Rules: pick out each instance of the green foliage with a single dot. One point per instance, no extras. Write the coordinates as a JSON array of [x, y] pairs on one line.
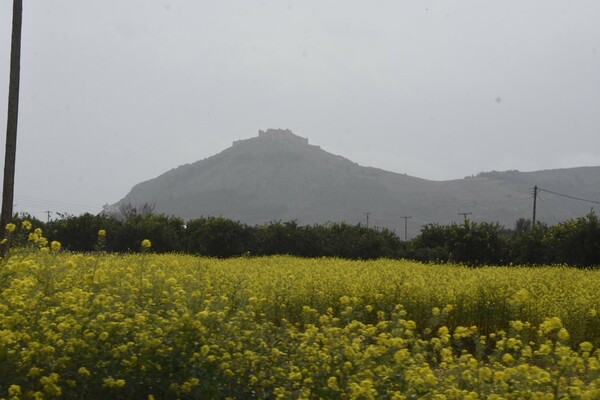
[[164, 232], [574, 242], [474, 243], [359, 242], [216, 237], [285, 238], [80, 233], [529, 245]]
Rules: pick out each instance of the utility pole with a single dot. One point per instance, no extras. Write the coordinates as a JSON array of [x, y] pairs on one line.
[[465, 214], [367, 214], [535, 192], [12, 118], [48, 214], [405, 227]]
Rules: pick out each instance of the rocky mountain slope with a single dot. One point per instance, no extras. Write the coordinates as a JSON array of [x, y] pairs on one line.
[[280, 176]]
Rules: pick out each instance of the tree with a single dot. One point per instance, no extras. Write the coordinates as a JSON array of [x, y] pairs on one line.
[[11, 125], [576, 241], [217, 237], [80, 233], [473, 243], [165, 233], [529, 244], [126, 211]]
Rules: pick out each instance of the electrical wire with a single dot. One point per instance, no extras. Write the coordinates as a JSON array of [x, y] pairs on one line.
[[569, 197], [28, 202]]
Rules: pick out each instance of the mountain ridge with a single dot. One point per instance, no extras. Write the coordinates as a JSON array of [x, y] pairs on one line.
[[281, 176]]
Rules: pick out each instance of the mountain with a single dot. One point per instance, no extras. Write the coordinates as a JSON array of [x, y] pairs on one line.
[[280, 176]]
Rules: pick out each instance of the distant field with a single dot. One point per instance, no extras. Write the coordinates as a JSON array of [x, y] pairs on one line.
[[175, 326]]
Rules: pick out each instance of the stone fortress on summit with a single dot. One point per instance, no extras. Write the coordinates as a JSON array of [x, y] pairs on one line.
[[281, 135]]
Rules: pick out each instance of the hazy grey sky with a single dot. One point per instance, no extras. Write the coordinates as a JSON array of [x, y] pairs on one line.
[[115, 92]]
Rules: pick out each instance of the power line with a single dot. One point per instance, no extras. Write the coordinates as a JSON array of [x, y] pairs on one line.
[[60, 203], [569, 197], [536, 194], [42, 206]]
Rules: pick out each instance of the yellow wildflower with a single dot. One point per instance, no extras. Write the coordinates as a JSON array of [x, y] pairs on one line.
[[55, 246], [111, 382], [410, 325], [332, 384], [507, 358], [563, 334], [586, 346], [14, 391]]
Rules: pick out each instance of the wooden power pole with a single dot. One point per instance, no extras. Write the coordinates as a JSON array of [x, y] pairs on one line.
[[535, 192], [12, 119], [464, 214], [367, 214], [406, 227]]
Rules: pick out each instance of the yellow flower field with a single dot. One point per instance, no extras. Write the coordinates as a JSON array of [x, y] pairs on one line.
[[173, 326]]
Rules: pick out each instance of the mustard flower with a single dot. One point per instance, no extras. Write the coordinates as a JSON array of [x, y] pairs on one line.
[[486, 374], [332, 384], [507, 358], [517, 325], [42, 242], [146, 244], [563, 334], [410, 325], [586, 346], [111, 382], [14, 391], [10, 227], [101, 233], [55, 246], [401, 355], [26, 225], [550, 324]]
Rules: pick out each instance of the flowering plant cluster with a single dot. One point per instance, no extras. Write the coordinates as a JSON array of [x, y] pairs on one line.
[[145, 326], [25, 239]]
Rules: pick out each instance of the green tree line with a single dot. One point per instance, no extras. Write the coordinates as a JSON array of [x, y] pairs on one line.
[[574, 242]]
